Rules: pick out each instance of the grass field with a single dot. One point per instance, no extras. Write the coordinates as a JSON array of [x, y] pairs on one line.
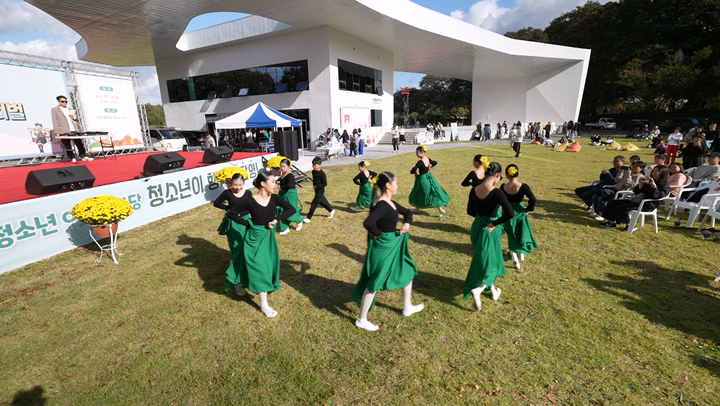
[[596, 316]]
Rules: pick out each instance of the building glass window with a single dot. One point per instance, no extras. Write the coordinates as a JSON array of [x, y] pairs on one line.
[[375, 118], [278, 78], [358, 78]]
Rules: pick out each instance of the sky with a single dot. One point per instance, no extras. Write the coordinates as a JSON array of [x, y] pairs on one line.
[[28, 30]]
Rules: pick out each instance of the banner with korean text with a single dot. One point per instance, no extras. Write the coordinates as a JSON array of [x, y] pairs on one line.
[[31, 230]]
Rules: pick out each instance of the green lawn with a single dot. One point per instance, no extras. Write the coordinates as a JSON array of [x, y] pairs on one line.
[[595, 316]]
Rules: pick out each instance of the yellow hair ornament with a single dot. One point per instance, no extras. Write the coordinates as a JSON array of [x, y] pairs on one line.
[[512, 171], [374, 180], [367, 164], [424, 147], [484, 162]]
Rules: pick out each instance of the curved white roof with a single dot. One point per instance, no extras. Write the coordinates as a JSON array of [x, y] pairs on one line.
[[137, 32]]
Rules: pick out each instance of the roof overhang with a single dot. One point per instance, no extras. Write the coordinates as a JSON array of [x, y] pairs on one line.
[[139, 32]]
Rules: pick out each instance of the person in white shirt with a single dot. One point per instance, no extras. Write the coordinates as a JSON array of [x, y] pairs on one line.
[[673, 142], [209, 141], [517, 137]]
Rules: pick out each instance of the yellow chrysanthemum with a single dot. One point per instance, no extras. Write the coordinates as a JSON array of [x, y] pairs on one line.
[[367, 164], [102, 210], [485, 162], [512, 171], [274, 162], [224, 174], [425, 148]]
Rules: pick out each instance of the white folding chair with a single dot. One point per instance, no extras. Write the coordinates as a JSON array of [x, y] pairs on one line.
[[713, 213], [641, 214], [708, 201]]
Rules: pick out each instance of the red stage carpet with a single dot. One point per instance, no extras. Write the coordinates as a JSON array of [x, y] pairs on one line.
[[106, 170]]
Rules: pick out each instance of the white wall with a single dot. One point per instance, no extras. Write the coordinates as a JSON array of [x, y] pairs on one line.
[[311, 45]]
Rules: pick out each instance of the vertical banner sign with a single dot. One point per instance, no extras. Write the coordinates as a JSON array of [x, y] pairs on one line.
[[26, 97], [109, 106]]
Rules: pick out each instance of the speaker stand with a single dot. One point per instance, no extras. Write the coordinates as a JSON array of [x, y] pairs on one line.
[[112, 247]]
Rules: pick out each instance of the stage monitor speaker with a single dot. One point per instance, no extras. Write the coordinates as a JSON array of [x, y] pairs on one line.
[[162, 163], [286, 144], [59, 180], [216, 155]]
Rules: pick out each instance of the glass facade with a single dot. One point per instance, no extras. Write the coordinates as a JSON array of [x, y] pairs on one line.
[[279, 78], [358, 78]]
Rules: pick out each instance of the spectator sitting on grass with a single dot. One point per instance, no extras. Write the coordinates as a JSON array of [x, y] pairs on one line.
[[609, 140], [595, 139]]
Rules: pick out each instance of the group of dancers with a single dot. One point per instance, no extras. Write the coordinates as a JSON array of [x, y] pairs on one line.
[[250, 223]]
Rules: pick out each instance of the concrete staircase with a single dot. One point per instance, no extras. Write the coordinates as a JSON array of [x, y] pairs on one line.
[[387, 137]]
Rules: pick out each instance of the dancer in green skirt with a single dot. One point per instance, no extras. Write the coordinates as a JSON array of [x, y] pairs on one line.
[[232, 229], [364, 180], [518, 229], [427, 192], [260, 268], [289, 193], [487, 262], [388, 264]]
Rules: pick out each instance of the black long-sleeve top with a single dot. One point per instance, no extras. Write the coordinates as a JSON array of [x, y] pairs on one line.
[[383, 218], [661, 190], [489, 205], [230, 198], [520, 196], [420, 167], [692, 156], [361, 179], [319, 181], [287, 182], [609, 178], [471, 180], [260, 215]]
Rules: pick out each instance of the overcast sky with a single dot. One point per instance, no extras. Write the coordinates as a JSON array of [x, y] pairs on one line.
[[26, 29]]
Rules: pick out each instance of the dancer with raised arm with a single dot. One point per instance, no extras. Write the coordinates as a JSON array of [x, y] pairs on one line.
[[388, 264], [518, 229], [427, 192], [234, 231], [364, 180], [289, 193], [487, 262], [260, 270]]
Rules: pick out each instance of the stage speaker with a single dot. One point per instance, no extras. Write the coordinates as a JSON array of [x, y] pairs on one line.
[[163, 163], [216, 155], [59, 180], [286, 144]]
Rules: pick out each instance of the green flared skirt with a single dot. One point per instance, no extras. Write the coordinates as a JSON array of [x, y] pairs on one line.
[[291, 196], [519, 231], [260, 271], [427, 192], [364, 196], [388, 265], [487, 262], [235, 232]]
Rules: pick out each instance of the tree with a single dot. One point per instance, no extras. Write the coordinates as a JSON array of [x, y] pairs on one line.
[[155, 114], [528, 34]]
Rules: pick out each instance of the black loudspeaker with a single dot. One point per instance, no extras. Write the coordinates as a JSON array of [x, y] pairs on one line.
[[286, 144], [162, 163], [216, 155], [58, 180]]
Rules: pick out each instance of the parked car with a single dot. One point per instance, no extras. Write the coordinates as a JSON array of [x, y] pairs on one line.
[[634, 126], [685, 123], [166, 139], [602, 124], [194, 138]]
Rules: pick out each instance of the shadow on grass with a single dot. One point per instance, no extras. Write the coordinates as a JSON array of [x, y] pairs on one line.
[[446, 245], [447, 227], [441, 288], [668, 297], [208, 259], [565, 212], [32, 397]]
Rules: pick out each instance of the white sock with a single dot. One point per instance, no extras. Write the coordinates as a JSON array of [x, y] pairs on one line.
[[365, 324], [495, 292], [268, 311], [409, 311], [522, 257], [441, 210], [299, 226], [476, 296], [332, 213], [515, 259], [287, 230]]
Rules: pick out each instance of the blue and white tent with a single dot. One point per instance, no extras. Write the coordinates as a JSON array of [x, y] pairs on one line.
[[259, 115]]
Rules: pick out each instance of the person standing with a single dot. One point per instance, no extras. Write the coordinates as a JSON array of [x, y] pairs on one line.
[[487, 262], [518, 229], [426, 192], [673, 144], [288, 191], [233, 230], [354, 143], [364, 180], [395, 139], [63, 121], [209, 141], [694, 152], [319, 183], [402, 134], [388, 264], [260, 271], [361, 142], [517, 137]]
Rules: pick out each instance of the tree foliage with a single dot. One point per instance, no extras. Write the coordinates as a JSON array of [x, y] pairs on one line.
[[528, 34], [155, 114], [438, 99]]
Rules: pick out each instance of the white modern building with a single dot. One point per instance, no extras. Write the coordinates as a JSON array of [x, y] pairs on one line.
[[328, 62]]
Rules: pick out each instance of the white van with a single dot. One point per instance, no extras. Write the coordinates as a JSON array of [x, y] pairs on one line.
[[167, 139]]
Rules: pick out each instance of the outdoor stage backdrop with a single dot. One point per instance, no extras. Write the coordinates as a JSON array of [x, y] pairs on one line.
[[31, 230], [26, 98]]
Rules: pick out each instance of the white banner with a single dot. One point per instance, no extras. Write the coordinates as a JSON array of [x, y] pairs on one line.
[[26, 98], [109, 106], [45, 222]]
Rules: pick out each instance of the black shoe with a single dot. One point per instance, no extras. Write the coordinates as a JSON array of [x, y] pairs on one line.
[[608, 224]]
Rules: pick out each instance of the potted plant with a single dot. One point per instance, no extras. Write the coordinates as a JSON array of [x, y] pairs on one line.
[[274, 164], [101, 213], [225, 174]]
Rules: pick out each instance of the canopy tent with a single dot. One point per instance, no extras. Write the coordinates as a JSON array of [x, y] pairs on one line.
[[259, 115]]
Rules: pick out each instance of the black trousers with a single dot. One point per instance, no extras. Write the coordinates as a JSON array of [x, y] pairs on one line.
[[395, 141], [68, 148], [516, 147], [586, 193], [617, 210], [319, 199]]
